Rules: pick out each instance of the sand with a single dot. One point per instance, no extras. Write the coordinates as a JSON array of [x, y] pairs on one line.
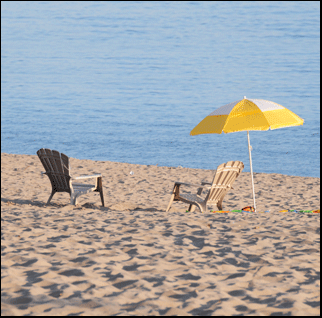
[[132, 258]]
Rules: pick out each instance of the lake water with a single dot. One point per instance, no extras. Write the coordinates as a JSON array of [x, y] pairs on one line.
[[128, 81]]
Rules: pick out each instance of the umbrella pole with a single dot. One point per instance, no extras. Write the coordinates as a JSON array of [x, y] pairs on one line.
[[251, 168]]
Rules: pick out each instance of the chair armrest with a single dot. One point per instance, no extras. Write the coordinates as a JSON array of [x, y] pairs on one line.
[[204, 182], [192, 184], [203, 185], [87, 177]]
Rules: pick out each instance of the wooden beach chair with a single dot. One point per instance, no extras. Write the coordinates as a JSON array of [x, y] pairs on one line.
[[225, 176], [58, 171]]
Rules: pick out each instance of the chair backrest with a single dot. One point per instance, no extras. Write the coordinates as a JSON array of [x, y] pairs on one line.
[[225, 176], [57, 168]]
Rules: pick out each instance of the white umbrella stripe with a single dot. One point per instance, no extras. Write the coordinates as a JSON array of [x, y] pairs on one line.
[[224, 110], [265, 105]]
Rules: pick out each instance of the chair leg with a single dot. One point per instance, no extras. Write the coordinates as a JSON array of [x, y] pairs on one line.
[[51, 196], [199, 205], [171, 200], [175, 193], [202, 207], [102, 198], [73, 198], [100, 189], [191, 208]]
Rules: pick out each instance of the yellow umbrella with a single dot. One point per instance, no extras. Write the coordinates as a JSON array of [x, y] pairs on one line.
[[244, 115]]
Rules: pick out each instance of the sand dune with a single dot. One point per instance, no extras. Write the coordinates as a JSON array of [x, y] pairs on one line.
[[132, 258]]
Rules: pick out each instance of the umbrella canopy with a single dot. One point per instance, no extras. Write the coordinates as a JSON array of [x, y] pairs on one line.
[[245, 115]]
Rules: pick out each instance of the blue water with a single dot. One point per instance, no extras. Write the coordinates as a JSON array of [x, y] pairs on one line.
[[128, 81]]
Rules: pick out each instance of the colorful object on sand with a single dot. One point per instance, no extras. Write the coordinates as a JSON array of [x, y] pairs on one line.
[[301, 211], [248, 209], [238, 211], [219, 211]]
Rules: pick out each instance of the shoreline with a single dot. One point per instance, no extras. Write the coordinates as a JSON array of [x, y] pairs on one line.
[[157, 165]]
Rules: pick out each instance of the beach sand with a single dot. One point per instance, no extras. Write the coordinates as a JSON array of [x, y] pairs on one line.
[[132, 258]]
